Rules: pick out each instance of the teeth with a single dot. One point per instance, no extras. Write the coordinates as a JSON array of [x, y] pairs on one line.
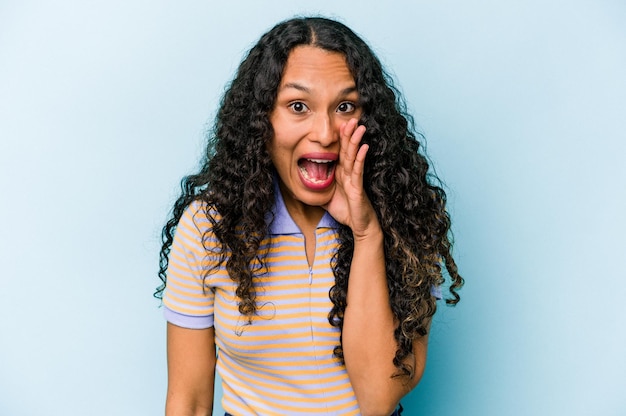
[[314, 180], [320, 160]]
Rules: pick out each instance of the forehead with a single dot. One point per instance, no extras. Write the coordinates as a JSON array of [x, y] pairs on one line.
[[315, 65]]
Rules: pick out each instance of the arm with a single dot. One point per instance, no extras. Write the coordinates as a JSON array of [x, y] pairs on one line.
[[369, 345], [368, 341], [191, 371]]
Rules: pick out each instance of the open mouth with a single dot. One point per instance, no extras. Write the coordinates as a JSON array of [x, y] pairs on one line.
[[318, 172]]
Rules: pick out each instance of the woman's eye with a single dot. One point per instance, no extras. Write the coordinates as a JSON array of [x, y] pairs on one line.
[[346, 107], [298, 107]]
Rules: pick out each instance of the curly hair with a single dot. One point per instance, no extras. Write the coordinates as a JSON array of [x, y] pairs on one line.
[[236, 180]]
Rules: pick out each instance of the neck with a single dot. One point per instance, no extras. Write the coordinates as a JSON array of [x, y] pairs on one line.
[[306, 217]]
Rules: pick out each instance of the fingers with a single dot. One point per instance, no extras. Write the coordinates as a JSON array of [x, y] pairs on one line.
[[352, 157], [350, 195], [359, 163]]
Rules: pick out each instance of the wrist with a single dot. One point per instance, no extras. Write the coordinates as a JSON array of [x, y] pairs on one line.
[[371, 234]]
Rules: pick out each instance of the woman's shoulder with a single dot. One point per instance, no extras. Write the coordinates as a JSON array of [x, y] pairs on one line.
[[199, 215]]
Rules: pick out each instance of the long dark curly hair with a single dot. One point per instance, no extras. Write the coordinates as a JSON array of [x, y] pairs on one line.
[[236, 179]]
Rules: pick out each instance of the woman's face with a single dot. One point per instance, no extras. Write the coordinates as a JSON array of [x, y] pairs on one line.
[[316, 95]]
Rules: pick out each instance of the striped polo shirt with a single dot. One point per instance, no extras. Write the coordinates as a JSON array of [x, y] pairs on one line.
[[282, 363]]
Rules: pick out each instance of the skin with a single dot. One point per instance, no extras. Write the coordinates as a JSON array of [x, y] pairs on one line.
[[316, 116], [316, 101], [190, 371]]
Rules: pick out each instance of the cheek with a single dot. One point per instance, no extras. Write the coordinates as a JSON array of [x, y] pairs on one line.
[[285, 141], [280, 154]]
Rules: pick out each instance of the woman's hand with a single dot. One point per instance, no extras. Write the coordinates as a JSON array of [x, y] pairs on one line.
[[350, 204]]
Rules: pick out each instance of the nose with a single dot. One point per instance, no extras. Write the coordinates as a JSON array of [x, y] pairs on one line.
[[324, 131]]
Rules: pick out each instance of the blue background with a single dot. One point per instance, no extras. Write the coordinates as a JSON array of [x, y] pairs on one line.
[[103, 105]]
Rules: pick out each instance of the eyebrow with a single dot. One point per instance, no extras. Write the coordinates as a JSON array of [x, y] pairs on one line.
[[307, 90]]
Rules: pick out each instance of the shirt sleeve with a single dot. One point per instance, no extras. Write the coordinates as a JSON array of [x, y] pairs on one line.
[[188, 298], [436, 292]]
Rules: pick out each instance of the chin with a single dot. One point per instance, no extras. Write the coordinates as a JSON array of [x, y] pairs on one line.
[[314, 198], [317, 200]]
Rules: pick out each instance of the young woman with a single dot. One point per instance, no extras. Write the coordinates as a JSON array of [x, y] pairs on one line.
[[308, 251]]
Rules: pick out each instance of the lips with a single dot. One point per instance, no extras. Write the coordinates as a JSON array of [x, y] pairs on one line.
[[317, 171]]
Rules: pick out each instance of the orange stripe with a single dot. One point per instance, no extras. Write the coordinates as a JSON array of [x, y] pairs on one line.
[[196, 293], [332, 373]]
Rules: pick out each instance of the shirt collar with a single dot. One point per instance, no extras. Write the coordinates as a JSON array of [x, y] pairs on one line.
[[280, 222]]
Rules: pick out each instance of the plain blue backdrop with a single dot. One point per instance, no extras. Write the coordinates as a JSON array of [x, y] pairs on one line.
[[103, 107]]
